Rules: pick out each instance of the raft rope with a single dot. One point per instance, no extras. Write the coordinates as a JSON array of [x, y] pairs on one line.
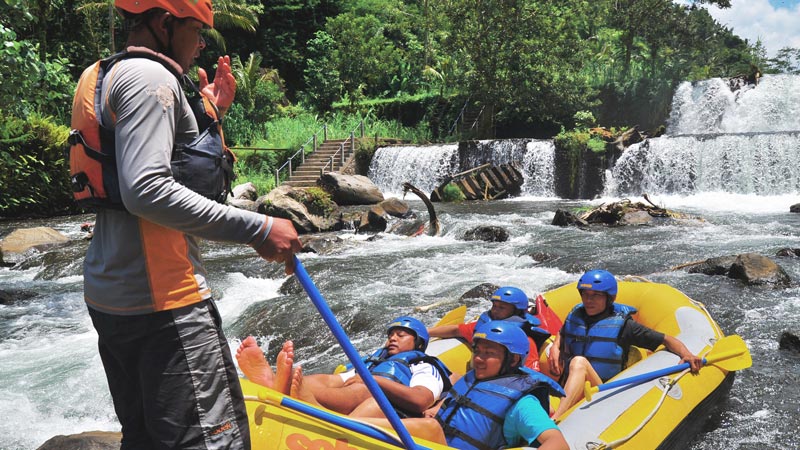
[[667, 387]]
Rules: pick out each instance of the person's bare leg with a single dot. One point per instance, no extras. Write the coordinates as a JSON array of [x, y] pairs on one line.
[[344, 399], [580, 370], [253, 363], [283, 368], [331, 392], [299, 390], [425, 428], [368, 408]]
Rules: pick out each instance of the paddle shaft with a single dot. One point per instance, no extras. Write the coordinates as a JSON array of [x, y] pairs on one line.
[[638, 379], [352, 354], [343, 422]]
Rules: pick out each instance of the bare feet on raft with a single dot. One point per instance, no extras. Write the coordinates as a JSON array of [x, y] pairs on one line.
[[256, 368], [299, 391], [283, 367]]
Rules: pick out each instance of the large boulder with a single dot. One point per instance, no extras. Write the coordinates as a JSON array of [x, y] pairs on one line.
[[714, 266], [372, 220], [40, 238], [795, 208], [90, 440], [245, 191], [286, 202], [625, 213], [395, 207], [754, 269], [350, 189], [482, 291]]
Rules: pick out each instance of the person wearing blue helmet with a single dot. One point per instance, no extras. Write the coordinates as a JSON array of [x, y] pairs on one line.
[[597, 334], [499, 403], [411, 380], [508, 303]]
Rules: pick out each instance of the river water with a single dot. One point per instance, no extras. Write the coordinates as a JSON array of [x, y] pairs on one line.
[[52, 382]]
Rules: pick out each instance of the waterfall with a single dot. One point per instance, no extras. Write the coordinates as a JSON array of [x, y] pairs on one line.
[[426, 166], [422, 166], [537, 166], [760, 164], [741, 141], [711, 107]]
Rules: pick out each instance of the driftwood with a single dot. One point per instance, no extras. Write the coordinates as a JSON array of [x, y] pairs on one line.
[[434, 229], [612, 213]]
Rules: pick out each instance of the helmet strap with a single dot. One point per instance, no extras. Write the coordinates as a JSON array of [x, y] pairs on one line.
[[508, 359], [165, 48]]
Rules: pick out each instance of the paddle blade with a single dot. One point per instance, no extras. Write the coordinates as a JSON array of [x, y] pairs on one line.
[[454, 317], [730, 353]]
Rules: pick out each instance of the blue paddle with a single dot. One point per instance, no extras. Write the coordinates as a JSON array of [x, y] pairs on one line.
[[372, 431], [352, 354], [729, 353]]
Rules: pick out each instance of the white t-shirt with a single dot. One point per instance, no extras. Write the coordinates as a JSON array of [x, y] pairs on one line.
[[422, 374]]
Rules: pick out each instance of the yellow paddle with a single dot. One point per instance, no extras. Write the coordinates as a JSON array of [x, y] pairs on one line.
[[454, 317], [729, 353]]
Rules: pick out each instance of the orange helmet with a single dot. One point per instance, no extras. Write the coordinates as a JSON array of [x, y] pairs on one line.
[[196, 9]]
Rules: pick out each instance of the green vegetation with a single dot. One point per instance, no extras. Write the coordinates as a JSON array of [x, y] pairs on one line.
[[33, 171], [451, 193], [317, 201], [407, 68]]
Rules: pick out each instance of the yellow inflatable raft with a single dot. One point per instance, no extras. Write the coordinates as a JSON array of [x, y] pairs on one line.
[[662, 413]]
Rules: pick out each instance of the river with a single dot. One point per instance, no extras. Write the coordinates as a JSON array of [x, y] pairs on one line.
[[51, 377]]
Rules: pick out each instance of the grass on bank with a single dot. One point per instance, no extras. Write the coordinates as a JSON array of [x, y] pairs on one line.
[[286, 134]]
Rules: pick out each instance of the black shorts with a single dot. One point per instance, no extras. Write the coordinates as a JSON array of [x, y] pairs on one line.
[[172, 379]]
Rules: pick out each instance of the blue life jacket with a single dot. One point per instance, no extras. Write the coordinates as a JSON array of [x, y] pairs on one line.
[[472, 415], [398, 368], [599, 344]]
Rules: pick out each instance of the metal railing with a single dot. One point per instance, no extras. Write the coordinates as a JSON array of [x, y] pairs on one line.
[[302, 152], [461, 118], [341, 151], [458, 118]]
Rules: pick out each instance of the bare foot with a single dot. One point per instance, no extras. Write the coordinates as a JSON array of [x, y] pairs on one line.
[[299, 390], [253, 363], [283, 368]]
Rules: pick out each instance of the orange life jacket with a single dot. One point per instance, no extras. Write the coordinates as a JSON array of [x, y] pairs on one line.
[[92, 160]]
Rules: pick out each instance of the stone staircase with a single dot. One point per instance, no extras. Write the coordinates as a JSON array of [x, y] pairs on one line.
[[306, 174]]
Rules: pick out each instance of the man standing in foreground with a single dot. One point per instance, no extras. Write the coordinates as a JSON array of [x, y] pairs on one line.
[[134, 151]]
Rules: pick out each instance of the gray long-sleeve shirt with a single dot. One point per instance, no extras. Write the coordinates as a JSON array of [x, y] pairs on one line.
[[147, 259]]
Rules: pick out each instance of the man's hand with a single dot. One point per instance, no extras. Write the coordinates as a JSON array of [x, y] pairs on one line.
[[356, 379], [676, 346], [281, 244], [223, 89]]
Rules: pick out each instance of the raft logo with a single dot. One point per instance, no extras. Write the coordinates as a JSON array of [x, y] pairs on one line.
[[298, 441], [222, 428]]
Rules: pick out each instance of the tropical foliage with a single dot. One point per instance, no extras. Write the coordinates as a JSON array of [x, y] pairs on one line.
[[411, 66]]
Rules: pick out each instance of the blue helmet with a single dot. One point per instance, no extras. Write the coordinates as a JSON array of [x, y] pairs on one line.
[[508, 334], [599, 280], [509, 294], [417, 327]]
